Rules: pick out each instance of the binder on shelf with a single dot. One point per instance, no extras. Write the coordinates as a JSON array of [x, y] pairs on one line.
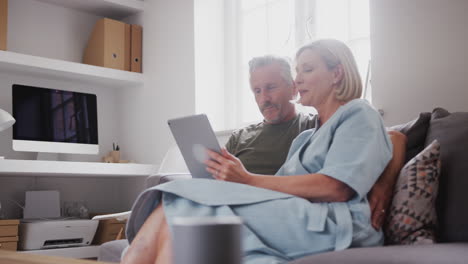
[[128, 42], [136, 48], [3, 24], [106, 46]]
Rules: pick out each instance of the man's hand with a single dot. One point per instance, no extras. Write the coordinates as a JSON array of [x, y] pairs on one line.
[[380, 197], [226, 167], [381, 194]]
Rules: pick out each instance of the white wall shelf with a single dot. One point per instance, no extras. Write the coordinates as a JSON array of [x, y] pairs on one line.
[[16, 63], [71, 168], [71, 252], [116, 9]]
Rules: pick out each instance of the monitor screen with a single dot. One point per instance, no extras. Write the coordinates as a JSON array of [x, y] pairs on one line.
[[44, 116]]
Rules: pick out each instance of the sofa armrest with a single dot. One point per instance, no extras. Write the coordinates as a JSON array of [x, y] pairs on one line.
[[113, 250], [160, 178], [151, 181], [174, 176], [117, 216]]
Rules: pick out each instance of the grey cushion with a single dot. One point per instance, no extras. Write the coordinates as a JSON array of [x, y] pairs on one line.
[[415, 132], [452, 133], [427, 254]]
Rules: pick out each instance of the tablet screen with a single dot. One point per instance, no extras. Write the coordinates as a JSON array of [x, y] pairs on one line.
[[193, 135]]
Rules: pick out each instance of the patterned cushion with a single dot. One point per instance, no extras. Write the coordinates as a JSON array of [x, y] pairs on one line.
[[412, 216]]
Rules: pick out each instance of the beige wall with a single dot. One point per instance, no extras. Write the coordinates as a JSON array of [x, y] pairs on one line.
[[419, 56]]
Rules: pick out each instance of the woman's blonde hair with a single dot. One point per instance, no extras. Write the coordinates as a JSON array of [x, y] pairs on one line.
[[334, 52]]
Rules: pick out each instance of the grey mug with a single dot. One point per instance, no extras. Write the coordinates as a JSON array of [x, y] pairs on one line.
[[207, 240]]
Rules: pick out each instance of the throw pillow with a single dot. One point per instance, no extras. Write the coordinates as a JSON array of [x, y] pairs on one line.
[[451, 132], [415, 132], [439, 112], [412, 217]]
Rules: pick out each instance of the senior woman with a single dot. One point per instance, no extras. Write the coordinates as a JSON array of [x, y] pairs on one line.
[[319, 193]]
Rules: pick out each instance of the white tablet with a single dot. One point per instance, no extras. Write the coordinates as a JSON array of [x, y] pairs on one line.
[[194, 135]]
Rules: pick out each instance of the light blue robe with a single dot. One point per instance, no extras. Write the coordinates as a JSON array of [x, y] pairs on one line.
[[352, 146]]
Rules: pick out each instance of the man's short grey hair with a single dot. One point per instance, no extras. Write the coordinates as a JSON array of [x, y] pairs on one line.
[[267, 60]]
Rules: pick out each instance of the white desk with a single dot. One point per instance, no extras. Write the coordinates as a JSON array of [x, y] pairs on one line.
[[70, 168], [21, 169], [71, 252]]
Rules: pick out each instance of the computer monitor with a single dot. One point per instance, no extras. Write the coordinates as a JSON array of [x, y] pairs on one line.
[[54, 121]]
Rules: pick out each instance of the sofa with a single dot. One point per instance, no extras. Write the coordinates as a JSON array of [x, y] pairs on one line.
[[451, 232]]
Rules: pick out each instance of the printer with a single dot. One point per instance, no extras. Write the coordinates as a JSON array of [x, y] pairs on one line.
[[45, 234], [43, 228]]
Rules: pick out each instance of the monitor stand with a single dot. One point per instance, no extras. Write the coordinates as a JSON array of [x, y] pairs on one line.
[[47, 156]]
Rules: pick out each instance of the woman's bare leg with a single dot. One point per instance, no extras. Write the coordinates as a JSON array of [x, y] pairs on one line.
[[164, 245], [148, 243]]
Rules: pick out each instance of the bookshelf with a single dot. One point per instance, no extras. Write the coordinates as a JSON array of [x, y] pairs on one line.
[[22, 64], [46, 39], [115, 9]]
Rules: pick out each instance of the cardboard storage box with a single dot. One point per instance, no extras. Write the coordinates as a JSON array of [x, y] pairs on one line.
[[9, 234], [108, 230], [9, 228], [3, 24], [136, 49], [9, 243], [109, 45]]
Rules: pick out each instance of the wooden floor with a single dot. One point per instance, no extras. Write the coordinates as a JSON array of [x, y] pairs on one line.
[[7, 257]]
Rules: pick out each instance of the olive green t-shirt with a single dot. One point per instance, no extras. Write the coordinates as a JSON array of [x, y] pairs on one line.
[[262, 147]]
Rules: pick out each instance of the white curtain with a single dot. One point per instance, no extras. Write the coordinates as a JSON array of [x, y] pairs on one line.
[[229, 33]]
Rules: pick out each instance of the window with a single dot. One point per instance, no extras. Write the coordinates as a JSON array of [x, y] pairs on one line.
[[68, 113], [229, 33]]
